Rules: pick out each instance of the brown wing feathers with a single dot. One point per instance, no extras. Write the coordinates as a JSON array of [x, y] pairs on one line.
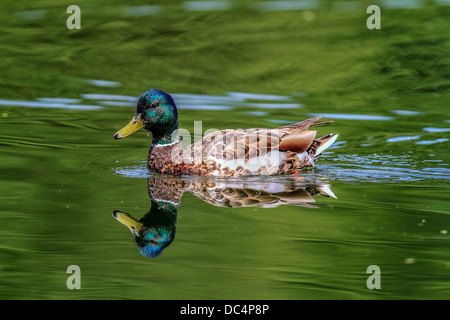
[[299, 138], [246, 144], [297, 141], [304, 125]]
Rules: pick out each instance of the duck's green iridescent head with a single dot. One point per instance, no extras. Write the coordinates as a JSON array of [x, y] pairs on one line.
[[156, 112]]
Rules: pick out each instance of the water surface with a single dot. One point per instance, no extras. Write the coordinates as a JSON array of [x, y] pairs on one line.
[[379, 196]]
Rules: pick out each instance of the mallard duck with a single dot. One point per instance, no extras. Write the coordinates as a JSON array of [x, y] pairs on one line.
[[156, 229], [257, 151]]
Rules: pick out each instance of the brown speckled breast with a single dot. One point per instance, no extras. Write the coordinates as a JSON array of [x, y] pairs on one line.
[[168, 160]]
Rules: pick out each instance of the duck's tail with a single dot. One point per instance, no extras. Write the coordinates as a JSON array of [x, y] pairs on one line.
[[299, 138], [319, 145]]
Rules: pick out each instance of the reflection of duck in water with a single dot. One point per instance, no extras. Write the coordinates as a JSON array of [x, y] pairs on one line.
[[156, 229]]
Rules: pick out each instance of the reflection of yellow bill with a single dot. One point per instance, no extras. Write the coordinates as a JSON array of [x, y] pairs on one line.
[[134, 125], [128, 220]]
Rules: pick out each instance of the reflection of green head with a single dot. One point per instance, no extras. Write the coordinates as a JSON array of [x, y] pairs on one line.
[[153, 232]]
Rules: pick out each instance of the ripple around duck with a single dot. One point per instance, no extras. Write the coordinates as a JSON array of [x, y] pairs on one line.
[[275, 183], [138, 170], [381, 168], [348, 168], [352, 173]]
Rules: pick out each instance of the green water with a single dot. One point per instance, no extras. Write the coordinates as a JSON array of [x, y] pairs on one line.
[[238, 65]]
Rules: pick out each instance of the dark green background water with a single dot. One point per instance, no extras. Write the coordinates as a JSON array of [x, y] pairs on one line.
[[62, 174]]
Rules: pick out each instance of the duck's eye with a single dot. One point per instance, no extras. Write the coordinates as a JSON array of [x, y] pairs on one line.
[[154, 104]]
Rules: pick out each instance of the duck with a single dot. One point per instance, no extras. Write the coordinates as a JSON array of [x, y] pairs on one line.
[[223, 153], [155, 231]]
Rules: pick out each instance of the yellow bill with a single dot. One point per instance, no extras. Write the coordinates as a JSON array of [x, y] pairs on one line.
[[134, 125], [128, 220]]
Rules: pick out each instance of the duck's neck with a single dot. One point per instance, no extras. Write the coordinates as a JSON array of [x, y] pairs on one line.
[[165, 137], [163, 140]]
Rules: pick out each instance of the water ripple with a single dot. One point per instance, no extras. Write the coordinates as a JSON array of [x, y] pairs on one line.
[[38, 104], [143, 10], [103, 83], [227, 101], [348, 168], [368, 173], [432, 141], [403, 138], [436, 130], [347, 116], [206, 5], [264, 6], [381, 168], [406, 112]]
